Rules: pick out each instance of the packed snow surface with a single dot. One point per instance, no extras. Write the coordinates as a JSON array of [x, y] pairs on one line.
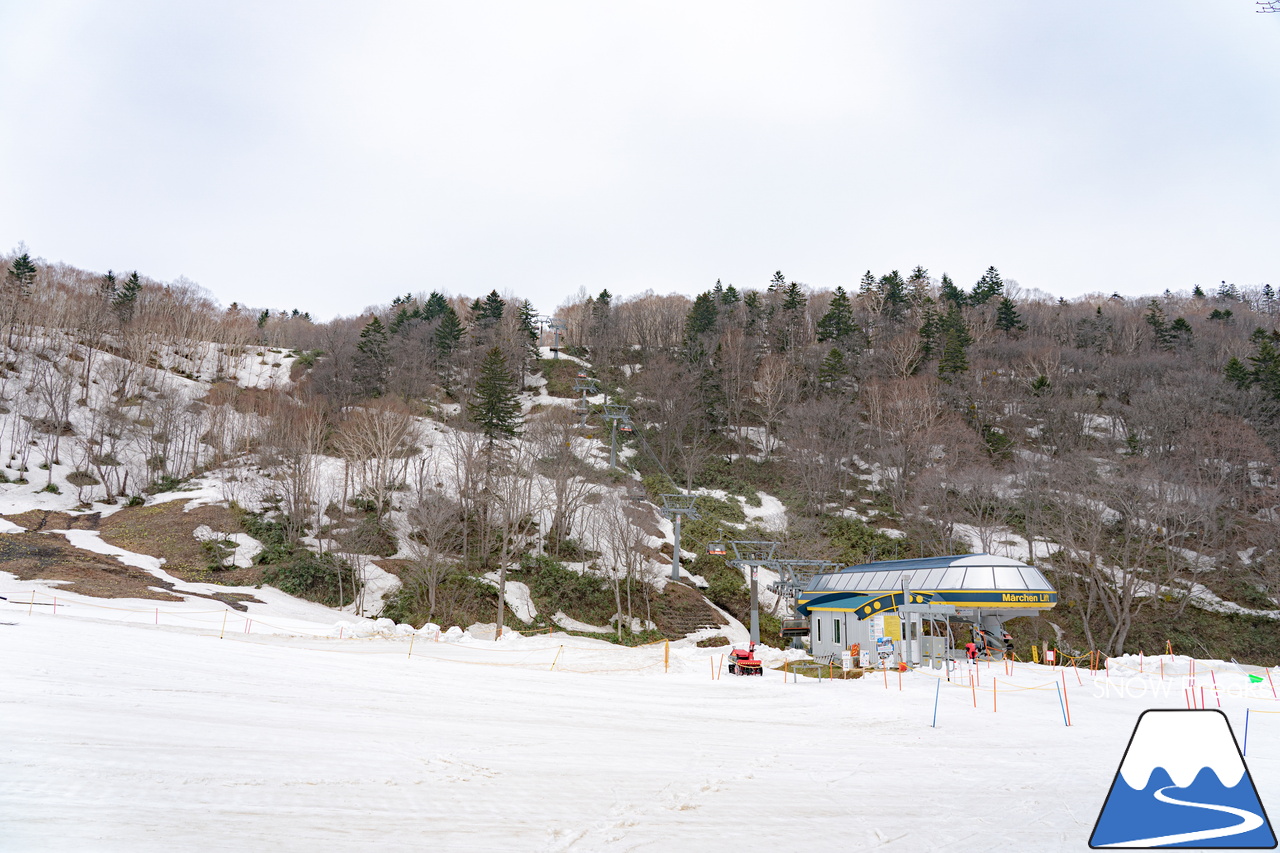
[[137, 728]]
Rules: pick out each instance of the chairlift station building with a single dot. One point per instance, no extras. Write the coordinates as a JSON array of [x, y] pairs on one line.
[[893, 598]]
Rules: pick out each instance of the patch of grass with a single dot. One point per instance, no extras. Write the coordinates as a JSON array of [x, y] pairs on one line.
[[82, 478], [52, 488], [165, 483], [561, 374]]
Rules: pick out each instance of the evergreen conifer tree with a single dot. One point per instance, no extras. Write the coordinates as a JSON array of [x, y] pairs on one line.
[[955, 345], [448, 334], [1197, 292], [930, 333], [778, 282], [1265, 363], [731, 296], [1267, 300], [126, 298], [435, 307], [948, 292], [1236, 372], [918, 286], [1007, 317], [529, 321], [893, 293], [108, 287], [22, 273], [1181, 331], [373, 359], [795, 299], [1155, 318], [492, 309], [867, 284], [833, 370], [495, 406], [988, 287], [838, 325], [702, 317]]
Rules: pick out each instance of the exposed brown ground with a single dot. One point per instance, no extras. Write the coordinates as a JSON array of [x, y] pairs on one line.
[[44, 556], [163, 530]]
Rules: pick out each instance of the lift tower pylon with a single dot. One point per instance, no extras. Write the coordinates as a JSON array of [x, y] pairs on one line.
[[676, 507]]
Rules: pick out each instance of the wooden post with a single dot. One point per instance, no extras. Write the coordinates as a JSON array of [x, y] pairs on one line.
[[993, 695], [666, 656], [33, 602], [411, 636], [224, 626]]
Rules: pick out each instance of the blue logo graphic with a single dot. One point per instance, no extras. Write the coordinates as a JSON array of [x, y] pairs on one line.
[[1183, 783]]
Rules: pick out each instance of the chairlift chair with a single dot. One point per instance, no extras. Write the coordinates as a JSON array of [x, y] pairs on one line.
[[795, 628], [717, 549]]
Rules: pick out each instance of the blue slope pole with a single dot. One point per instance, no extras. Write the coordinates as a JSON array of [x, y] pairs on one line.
[[1245, 750], [1058, 687], [939, 687]]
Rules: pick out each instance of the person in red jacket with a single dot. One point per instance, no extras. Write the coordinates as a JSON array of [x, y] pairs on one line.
[[971, 649]]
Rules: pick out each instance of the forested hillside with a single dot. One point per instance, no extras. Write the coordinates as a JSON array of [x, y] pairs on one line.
[[1126, 445]]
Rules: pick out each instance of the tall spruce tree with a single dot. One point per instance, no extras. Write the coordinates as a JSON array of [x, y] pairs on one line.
[[1163, 336], [948, 292], [701, 319], [795, 299], [893, 291], [373, 359], [448, 335], [1007, 318], [989, 287], [126, 298], [491, 310], [918, 286], [833, 371], [107, 287], [22, 274], [494, 405], [955, 345], [837, 325], [435, 307]]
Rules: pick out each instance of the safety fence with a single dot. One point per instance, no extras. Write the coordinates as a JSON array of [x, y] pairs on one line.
[[1198, 682], [562, 653]]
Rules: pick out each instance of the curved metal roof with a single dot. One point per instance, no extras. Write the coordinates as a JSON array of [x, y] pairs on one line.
[[957, 573]]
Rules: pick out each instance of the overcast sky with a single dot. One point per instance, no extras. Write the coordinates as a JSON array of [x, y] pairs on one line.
[[330, 156]]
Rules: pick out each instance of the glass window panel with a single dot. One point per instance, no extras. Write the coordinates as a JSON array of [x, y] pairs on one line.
[[952, 578], [1034, 579], [978, 577], [930, 579], [1009, 577], [877, 580]]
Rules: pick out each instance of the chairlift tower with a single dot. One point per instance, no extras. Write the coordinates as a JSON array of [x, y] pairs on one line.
[[619, 417], [793, 575], [676, 507], [586, 386], [556, 327]]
